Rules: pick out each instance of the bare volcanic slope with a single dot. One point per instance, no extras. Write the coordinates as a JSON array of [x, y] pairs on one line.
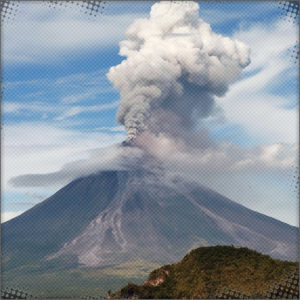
[[119, 216]]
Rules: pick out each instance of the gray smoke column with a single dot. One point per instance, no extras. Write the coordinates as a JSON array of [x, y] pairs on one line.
[[175, 65]]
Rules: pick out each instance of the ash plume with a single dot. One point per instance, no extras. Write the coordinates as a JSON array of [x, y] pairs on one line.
[[175, 65]]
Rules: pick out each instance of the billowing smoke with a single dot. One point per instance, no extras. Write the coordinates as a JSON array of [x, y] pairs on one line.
[[175, 65], [173, 68]]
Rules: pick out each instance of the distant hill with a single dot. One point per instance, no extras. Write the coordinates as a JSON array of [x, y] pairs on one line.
[[206, 270]]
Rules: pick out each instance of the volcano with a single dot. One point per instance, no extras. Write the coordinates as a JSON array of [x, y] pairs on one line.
[[118, 216]]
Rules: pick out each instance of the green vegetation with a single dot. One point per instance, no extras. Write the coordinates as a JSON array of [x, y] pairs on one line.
[[208, 269], [46, 282], [200, 274]]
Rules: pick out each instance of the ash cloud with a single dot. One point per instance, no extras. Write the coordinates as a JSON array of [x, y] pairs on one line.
[[175, 65]]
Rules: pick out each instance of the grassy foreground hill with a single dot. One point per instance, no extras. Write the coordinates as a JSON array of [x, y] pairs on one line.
[[206, 270]]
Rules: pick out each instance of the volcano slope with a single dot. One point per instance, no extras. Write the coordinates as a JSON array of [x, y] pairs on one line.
[[119, 216]]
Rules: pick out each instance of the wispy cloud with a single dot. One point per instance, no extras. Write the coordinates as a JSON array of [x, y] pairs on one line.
[[62, 112], [38, 147], [111, 129], [41, 35], [60, 98], [226, 168], [76, 110], [73, 88], [254, 102], [33, 107]]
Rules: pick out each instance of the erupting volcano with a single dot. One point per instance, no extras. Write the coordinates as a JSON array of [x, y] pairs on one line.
[[133, 208], [120, 216]]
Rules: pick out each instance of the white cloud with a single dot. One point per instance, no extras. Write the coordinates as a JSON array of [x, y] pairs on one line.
[[88, 78], [220, 158], [268, 42], [175, 156], [220, 13], [115, 157], [257, 177], [37, 147], [42, 35], [250, 102], [34, 107], [62, 111], [112, 129], [76, 110], [5, 216], [250, 176], [79, 97], [69, 91]]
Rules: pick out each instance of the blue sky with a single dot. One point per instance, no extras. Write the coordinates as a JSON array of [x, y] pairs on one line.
[[58, 105]]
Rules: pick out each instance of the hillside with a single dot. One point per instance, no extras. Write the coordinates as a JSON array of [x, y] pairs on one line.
[[206, 270]]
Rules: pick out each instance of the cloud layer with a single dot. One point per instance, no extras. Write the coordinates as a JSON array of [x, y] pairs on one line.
[[175, 157], [111, 158], [40, 35]]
